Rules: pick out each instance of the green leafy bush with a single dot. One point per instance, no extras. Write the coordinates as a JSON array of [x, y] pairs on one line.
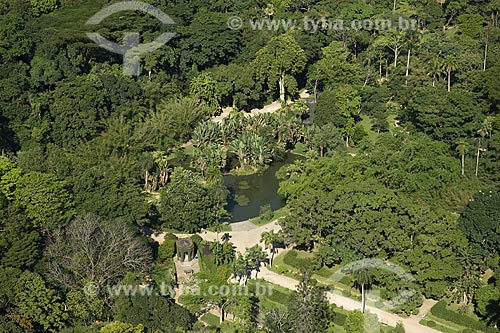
[[291, 259], [43, 6], [346, 293], [167, 249], [439, 310], [339, 318]]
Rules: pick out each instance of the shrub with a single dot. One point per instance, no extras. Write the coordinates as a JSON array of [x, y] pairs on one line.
[[439, 310], [431, 323], [167, 249], [196, 239], [281, 269], [399, 328], [339, 318], [346, 293], [291, 259]]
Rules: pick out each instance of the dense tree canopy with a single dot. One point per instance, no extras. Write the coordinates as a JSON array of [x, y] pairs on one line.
[[400, 132]]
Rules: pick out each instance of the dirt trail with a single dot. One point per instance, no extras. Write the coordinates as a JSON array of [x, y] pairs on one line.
[[274, 106]]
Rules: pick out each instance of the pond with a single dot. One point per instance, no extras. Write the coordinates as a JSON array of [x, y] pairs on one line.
[[249, 193]]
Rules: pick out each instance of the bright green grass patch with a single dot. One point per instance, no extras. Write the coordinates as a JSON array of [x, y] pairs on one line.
[[72, 18], [433, 324], [264, 219], [225, 227], [270, 295], [300, 149], [211, 319], [391, 119], [367, 123]]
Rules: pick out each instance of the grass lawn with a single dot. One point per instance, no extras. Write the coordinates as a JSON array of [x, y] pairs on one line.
[[211, 319], [391, 119], [72, 18], [300, 149], [274, 297], [438, 326], [224, 228], [277, 214], [367, 122]]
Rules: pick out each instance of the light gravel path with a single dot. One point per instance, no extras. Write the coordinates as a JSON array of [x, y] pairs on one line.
[[245, 234], [274, 106], [411, 324]]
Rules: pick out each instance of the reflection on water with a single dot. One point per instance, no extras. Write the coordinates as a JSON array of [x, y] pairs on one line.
[[249, 193]]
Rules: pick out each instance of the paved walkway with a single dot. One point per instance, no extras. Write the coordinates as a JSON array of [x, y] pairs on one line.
[[244, 235], [411, 324]]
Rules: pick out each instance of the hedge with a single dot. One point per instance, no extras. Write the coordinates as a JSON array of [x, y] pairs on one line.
[[167, 249], [339, 318], [439, 310], [291, 259]]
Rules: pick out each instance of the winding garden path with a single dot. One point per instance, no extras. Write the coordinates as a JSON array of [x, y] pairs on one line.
[[274, 106], [411, 324]]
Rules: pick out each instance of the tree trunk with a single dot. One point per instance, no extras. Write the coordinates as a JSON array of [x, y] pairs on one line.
[[394, 6], [477, 159], [408, 65], [449, 80], [272, 258], [485, 55], [396, 52], [221, 315], [380, 69], [347, 141], [363, 299], [315, 91], [146, 178], [282, 87], [463, 164]]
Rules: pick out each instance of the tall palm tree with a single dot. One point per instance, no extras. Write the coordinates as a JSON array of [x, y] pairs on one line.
[[363, 280], [255, 256], [462, 147], [484, 131], [435, 70], [270, 239], [239, 268], [450, 64]]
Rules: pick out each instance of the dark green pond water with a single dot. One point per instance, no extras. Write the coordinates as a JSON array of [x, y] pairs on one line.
[[249, 193]]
